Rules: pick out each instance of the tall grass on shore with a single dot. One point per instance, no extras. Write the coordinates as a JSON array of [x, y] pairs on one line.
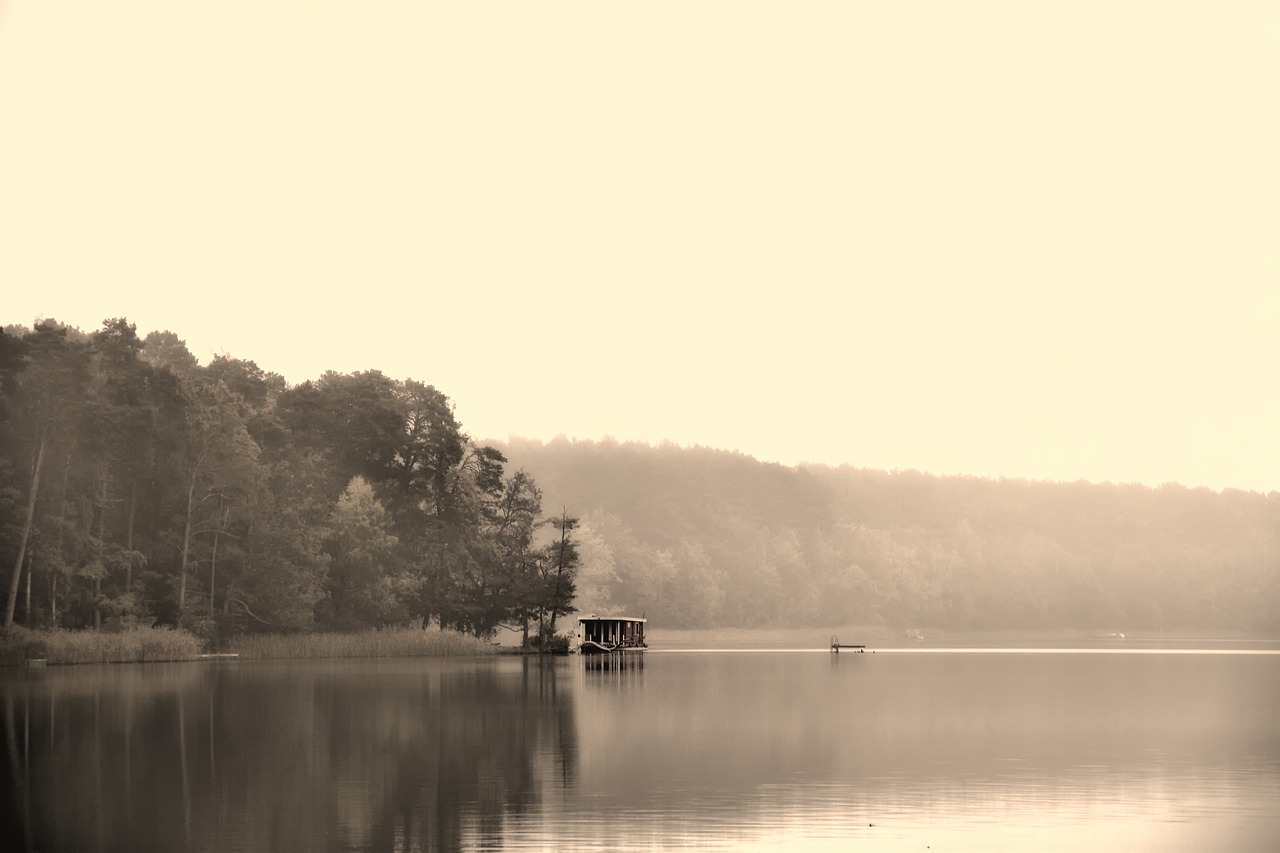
[[395, 642], [135, 645]]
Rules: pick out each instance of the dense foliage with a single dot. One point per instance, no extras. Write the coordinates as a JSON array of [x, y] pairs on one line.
[[694, 536], [139, 487]]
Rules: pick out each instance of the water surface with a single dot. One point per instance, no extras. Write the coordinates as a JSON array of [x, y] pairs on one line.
[[898, 750]]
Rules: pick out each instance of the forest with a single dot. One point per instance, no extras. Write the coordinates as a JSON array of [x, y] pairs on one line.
[[697, 536], [139, 487]]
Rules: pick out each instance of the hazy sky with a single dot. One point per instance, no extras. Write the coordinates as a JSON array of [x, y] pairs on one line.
[[1023, 239]]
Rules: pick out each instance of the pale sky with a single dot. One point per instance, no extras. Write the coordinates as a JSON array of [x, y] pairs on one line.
[[1020, 239]]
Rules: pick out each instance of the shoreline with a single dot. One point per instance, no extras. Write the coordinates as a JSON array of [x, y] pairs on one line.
[[25, 647]]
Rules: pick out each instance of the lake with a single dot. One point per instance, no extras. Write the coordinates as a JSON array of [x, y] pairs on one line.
[[911, 749]]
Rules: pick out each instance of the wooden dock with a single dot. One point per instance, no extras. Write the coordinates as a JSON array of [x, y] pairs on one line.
[[836, 646]]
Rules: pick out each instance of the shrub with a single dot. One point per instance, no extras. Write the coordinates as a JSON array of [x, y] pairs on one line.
[[555, 644]]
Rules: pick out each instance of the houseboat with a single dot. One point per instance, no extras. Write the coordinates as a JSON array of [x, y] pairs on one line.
[[603, 635]]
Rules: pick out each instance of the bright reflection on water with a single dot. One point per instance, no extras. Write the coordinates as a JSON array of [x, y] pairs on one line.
[[955, 750]]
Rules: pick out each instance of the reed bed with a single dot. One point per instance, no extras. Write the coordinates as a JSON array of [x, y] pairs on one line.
[[135, 645], [395, 642]]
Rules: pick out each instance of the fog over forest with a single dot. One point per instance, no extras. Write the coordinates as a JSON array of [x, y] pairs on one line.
[[140, 487], [696, 536]]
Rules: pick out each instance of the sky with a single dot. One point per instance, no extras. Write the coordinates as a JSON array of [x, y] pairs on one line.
[[1004, 239]]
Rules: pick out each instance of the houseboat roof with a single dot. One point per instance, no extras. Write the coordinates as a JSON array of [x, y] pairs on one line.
[[595, 618]]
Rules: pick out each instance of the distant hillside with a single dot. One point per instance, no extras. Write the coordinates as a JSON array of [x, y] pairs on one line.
[[695, 536]]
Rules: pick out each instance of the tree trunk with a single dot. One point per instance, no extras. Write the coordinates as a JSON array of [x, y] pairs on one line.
[[62, 528], [213, 560], [555, 598], [186, 550], [102, 532], [26, 604], [128, 537], [213, 571], [26, 531]]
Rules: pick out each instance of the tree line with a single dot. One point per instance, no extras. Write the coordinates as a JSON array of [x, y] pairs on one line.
[[694, 536], [140, 487]]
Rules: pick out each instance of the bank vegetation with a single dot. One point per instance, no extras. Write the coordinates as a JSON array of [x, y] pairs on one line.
[[19, 645], [140, 488]]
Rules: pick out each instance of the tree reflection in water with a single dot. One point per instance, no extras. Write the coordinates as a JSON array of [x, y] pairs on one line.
[[1047, 751], [403, 755]]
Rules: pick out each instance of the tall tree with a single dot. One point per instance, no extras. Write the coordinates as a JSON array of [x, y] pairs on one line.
[[167, 351], [50, 390], [272, 564], [219, 462], [560, 573], [118, 429], [363, 587], [283, 568], [428, 464], [500, 579], [356, 421]]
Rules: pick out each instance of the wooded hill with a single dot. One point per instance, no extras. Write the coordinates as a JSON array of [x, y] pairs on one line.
[[694, 536], [138, 486]]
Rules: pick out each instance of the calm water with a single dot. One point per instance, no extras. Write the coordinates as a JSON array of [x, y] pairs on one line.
[[898, 750]]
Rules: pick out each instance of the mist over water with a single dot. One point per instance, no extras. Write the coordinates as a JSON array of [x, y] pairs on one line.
[[964, 749]]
